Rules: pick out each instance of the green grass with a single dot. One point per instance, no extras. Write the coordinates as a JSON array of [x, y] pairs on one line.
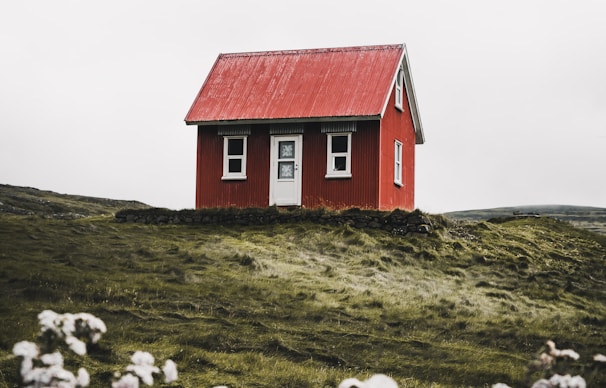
[[306, 305]]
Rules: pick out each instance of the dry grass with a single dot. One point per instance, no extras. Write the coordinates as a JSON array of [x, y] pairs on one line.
[[304, 305]]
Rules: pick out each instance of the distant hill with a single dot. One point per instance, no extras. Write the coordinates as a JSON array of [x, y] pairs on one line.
[[30, 201], [590, 218]]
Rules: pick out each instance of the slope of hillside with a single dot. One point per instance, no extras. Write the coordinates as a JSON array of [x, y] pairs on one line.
[[31, 201], [306, 305]]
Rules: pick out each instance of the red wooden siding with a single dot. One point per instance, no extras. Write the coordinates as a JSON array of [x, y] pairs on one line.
[[211, 191], [371, 185], [397, 125], [361, 190]]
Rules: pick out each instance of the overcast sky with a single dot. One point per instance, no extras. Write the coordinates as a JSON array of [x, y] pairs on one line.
[[512, 94]]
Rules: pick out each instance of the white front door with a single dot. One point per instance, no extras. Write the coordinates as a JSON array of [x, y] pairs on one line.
[[285, 173]]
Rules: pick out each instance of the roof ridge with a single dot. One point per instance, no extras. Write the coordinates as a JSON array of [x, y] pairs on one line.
[[313, 50]]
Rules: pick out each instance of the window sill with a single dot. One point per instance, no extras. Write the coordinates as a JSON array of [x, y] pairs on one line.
[[339, 176], [233, 178]]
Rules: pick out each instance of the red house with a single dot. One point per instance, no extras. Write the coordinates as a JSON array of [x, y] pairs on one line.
[[332, 128]]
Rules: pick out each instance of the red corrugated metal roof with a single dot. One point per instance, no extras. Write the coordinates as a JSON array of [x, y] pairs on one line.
[[298, 84]]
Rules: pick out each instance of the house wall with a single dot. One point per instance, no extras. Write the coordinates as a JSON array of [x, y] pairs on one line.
[[361, 190], [398, 125], [211, 191]]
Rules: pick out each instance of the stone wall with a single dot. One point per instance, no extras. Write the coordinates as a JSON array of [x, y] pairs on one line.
[[397, 222]]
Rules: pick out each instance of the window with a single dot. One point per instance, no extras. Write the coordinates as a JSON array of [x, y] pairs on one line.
[[397, 165], [400, 88], [234, 157], [338, 163]]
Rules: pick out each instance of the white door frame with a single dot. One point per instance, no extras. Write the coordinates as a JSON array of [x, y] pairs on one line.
[[285, 170]]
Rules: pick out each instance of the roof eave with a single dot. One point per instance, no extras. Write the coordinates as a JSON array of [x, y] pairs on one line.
[[284, 120], [412, 101], [410, 93]]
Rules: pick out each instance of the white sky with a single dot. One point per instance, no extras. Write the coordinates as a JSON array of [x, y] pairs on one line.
[[512, 94]]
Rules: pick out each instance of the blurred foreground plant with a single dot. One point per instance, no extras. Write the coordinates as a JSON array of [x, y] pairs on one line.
[[554, 365], [42, 362]]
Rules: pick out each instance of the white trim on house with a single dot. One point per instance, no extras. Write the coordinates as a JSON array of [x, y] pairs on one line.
[[338, 162], [397, 163], [285, 175], [399, 89], [410, 94], [234, 158]]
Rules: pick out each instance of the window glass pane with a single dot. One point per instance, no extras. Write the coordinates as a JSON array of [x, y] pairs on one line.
[[235, 165], [286, 150], [235, 147], [286, 170], [339, 144], [340, 163]]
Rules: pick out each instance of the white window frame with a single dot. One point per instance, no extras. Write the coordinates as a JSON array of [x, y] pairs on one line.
[[331, 172], [227, 175], [397, 163], [399, 89]]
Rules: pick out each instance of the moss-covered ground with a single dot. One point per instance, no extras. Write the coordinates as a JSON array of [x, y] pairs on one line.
[[306, 305]]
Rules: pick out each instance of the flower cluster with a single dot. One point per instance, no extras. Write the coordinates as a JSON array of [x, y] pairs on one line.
[[46, 370], [70, 328], [545, 363], [142, 368], [42, 363]]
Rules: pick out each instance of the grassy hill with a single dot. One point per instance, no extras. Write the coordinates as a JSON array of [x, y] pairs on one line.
[[31, 201], [306, 305]]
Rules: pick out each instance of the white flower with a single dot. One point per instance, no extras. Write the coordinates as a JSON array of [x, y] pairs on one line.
[[599, 358], [142, 358], [569, 353], [375, 381], [500, 385], [61, 374], [47, 320], [26, 349], [143, 366], [144, 372], [558, 380], [542, 384], [95, 326], [127, 381], [52, 359], [54, 376], [76, 345], [29, 351], [83, 378], [555, 352], [26, 366], [37, 377], [67, 324], [567, 381], [577, 382], [170, 371]]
